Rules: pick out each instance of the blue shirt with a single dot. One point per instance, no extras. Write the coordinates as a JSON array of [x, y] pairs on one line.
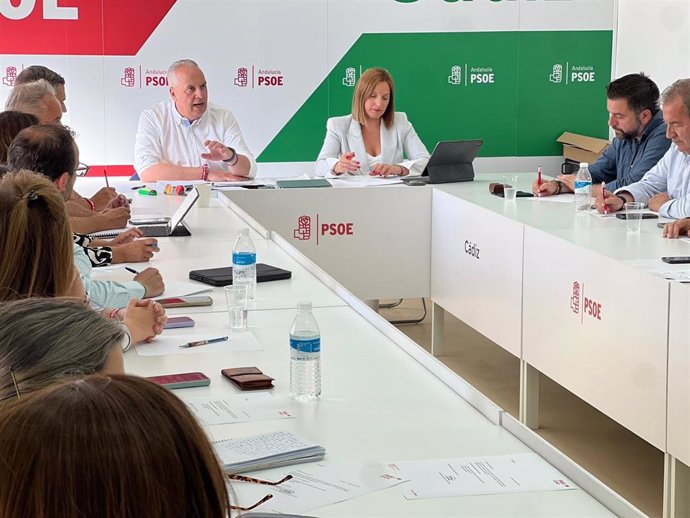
[[626, 161]]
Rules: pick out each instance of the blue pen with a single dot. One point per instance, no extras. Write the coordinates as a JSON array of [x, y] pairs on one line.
[[131, 270], [204, 342]]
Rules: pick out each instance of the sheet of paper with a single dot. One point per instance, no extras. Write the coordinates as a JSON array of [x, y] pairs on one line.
[[520, 473], [171, 340], [671, 272], [364, 181], [314, 485], [238, 409], [183, 289], [561, 198]]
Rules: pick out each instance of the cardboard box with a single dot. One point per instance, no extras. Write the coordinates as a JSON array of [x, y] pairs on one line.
[[581, 148]]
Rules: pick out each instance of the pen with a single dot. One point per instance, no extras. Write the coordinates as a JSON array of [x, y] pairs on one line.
[[539, 180], [148, 192], [131, 270], [105, 175], [138, 187], [204, 342], [603, 197]]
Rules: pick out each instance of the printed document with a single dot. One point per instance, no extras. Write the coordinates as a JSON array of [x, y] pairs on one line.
[[520, 473], [314, 486], [238, 409]]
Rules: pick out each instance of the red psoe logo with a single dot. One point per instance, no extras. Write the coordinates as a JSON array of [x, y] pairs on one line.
[[303, 230], [242, 77], [128, 79], [575, 299], [91, 28], [10, 76]]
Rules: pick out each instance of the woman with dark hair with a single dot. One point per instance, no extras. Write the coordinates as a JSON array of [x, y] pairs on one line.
[[375, 138], [107, 447], [11, 123]]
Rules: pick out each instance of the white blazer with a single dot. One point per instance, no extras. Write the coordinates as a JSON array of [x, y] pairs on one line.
[[344, 134]]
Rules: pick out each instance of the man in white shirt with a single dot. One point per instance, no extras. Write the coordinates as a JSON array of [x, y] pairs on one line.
[[666, 186], [177, 136]]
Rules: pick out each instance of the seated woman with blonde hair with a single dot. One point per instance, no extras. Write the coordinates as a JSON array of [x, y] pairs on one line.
[[107, 447], [36, 252], [374, 139]]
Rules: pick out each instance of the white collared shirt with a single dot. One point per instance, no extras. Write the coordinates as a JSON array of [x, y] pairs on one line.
[[671, 175], [164, 136]]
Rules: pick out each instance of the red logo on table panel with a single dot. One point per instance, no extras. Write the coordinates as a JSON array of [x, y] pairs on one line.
[[303, 230], [583, 305], [79, 27]]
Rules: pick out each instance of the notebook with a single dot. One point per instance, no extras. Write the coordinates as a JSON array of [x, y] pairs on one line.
[[450, 162], [301, 184], [270, 450], [223, 276]]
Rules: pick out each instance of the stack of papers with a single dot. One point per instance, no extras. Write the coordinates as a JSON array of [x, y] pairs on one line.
[[271, 450]]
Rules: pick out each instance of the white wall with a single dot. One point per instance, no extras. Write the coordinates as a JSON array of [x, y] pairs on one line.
[[654, 37]]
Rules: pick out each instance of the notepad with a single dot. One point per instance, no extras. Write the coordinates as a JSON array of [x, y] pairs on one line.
[[270, 450]]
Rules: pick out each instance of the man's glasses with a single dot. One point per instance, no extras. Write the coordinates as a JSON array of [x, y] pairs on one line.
[[243, 478], [82, 169]]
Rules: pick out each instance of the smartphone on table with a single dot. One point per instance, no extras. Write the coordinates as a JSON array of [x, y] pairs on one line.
[[182, 380], [676, 259], [178, 322], [185, 302]]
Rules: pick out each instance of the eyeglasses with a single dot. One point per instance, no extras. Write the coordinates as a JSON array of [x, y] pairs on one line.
[[82, 169], [16, 387], [253, 480]]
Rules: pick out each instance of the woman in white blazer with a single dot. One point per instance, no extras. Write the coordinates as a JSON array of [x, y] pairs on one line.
[[373, 140]]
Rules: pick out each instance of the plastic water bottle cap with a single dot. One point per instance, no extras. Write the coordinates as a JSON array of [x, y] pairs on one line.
[[584, 164], [304, 305]]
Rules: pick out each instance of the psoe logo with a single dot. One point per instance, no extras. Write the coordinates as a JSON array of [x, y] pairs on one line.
[[350, 77], [583, 305], [242, 78], [10, 76], [303, 232], [129, 78], [455, 77], [556, 74]]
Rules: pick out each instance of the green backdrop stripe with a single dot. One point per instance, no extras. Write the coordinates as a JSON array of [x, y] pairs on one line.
[[517, 90]]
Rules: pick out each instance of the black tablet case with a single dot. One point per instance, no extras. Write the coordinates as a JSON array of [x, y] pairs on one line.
[[223, 276]]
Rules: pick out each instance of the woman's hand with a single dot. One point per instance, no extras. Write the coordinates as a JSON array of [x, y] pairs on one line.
[[346, 164], [144, 319], [386, 170]]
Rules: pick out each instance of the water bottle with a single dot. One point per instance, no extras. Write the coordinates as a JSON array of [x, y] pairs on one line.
[[244, 263], [305, 354], [583, 188]]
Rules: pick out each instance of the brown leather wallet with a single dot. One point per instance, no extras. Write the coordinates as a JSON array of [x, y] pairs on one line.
[[248, 378]]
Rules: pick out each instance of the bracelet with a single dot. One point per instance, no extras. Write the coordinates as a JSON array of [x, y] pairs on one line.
[[91, 204], [204, 172], [402, 170], [559, 184], [127, 342], [622, 198], [233, 159], [113, 315]]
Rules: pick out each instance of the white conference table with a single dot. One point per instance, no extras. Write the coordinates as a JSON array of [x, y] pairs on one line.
[[378, 404], [509, 268]]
